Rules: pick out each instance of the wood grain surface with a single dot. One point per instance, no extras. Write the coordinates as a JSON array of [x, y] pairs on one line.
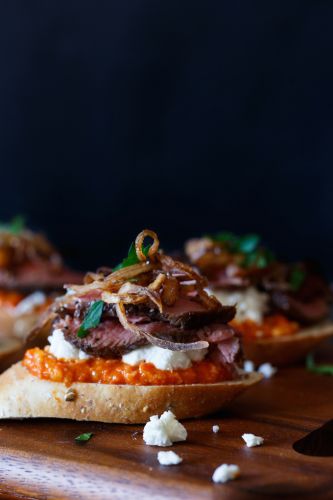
[[39, 458]]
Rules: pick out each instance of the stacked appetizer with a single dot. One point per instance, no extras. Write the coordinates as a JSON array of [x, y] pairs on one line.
[[131, 342], [30, 270], [282, 309]]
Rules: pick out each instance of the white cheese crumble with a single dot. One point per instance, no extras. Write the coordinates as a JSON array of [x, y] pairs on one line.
[[250, 304], [163, 431], [215, 429], [252, 440], [168, 458], [164, 359], [267, 370], [225, 473], [60, 348], [28, 304], [248, 366]]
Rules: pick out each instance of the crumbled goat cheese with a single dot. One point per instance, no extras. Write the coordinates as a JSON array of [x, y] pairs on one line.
[[163, 431], [225, 473], [60, 348], [215, 428], [248, 366], [250, 304], [164, 359], [29, 303], [267, 370], [168, 458], [252, 440]]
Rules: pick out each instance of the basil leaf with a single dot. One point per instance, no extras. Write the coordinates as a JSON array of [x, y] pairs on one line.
[[15, 226], [321, 369], [83, 437], [91, 319], [131, 258], [297, 278]]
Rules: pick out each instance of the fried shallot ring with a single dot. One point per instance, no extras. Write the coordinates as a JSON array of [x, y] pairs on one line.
[[139, 245], [130, 293]]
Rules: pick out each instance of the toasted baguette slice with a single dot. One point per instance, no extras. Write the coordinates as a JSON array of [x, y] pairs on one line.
[[285, 350], [11, 350], [25, 396]]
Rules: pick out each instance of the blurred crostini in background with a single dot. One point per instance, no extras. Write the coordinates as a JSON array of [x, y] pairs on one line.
[[32, 273], [283, 309]]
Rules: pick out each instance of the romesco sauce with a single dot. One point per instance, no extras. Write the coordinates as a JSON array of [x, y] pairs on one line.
[[43, 365], [274, 325], [10, 299]]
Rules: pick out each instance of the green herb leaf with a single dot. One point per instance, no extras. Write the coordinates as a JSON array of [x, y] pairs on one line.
[[321, 369], [248, 243], [229, 239], [259, 258], [83, 437], [15, 226], [91, 319], [131, 258], [297, 278]]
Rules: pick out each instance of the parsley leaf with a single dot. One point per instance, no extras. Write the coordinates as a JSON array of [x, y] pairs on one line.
[[83, 437], [131, 258], [321, 369], [91, 319], [248, 243], [238, 244], [15, 226], [297, 278], [259, 258]]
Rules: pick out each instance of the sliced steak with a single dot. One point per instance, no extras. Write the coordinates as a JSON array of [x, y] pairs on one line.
[[111, 340], [184, 314], [189, 314], [108, 340], [38, 276], [304, 312]]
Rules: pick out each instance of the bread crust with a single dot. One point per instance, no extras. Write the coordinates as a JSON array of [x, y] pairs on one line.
[[11, 350], [24, 396], [285, 350]]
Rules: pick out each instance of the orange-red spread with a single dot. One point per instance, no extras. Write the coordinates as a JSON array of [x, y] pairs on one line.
[[10, 298], [272, 326], [113, 371]]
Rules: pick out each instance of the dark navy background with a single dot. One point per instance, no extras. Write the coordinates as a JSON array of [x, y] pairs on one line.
[[182, 116]]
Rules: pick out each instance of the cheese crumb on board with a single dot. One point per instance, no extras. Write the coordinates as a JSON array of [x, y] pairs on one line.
[[267, 370], [163, 431], [215, 429], [248, 366], [225, 473], [168, 458], [252, 440]]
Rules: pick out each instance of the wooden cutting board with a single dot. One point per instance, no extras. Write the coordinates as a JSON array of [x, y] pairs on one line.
[[39, 459]]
